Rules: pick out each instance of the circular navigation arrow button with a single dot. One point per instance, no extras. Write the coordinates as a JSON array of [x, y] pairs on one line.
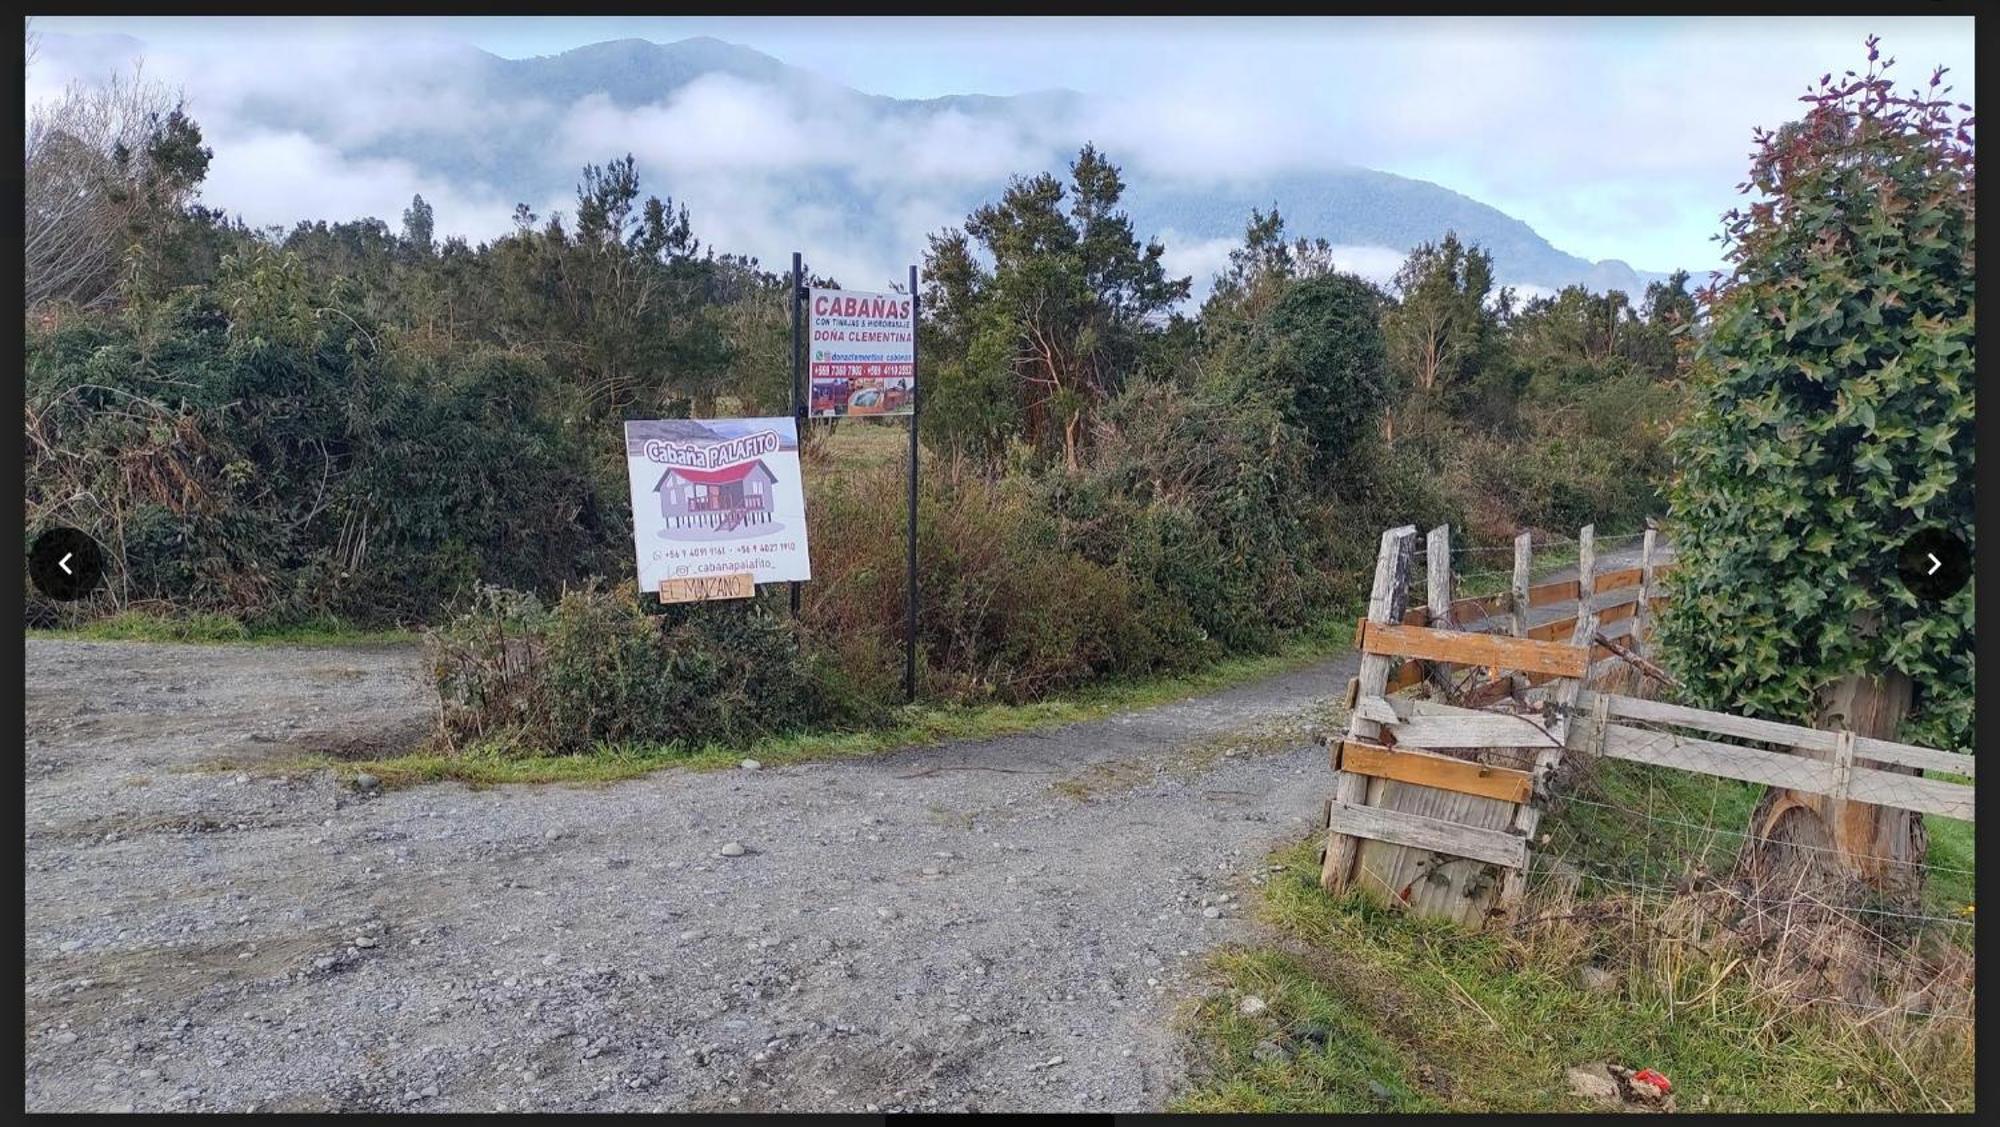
[[65, 564], [1933, 564]]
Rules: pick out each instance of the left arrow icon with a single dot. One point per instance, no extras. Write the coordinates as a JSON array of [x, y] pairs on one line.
[[65, 564]]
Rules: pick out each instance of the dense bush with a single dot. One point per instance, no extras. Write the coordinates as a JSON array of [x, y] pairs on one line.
[[259, 451], [1006, 613], [597, 669]]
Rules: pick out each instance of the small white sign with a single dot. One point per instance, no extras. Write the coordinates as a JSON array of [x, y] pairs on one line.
[[717, 497]]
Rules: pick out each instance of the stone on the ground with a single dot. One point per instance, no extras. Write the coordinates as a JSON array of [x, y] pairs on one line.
[[1597, 980], [1252, 1005], [1594, 1082]]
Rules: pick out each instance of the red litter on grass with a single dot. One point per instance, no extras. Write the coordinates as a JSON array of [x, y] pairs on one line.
[[1655, 1079]]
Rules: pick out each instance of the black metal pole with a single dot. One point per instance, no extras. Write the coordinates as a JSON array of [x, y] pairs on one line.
[[800, 396], [910, 595]]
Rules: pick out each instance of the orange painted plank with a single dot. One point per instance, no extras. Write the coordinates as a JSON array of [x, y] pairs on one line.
[[1475, 649], [1441, 771]]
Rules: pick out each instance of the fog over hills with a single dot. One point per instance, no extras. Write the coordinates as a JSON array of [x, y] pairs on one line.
[[770, 158]]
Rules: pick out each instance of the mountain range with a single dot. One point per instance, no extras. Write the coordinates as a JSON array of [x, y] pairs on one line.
[[779, 158]]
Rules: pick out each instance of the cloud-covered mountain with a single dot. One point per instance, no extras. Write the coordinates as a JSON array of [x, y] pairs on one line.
[[771, 158]]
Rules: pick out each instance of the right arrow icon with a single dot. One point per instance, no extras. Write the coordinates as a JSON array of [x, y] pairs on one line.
[[1933, 563]]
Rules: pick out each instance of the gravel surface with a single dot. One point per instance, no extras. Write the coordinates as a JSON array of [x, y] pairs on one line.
[[1002, 924], [1008, 924]]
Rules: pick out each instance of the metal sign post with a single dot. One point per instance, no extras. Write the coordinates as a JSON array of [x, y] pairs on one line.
[[910, 592], [798, 370]]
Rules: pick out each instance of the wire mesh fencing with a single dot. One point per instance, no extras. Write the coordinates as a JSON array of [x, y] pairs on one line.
[[1734, 881]]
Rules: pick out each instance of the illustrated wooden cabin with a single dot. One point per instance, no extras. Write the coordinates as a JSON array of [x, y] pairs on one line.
[[726, 498]]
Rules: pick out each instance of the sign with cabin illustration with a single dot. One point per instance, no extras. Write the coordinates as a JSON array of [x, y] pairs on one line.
[[716, 505]]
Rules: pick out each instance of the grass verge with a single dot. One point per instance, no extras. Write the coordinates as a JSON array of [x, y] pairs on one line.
[[1371, 1010], [912, 726]]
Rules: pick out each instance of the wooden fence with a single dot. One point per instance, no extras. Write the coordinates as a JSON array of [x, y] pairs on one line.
[[1626, 600], [1437, 801]]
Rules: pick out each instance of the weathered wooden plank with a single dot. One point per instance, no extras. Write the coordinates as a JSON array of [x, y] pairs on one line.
[[1378, 709], [1790, 735], [1421, 768], [1436, 708], [1586, 575], [1910, 792], [1441, 772], [1394, 827], [1485, 729], [1473, 649], [1438, 595], [1560, 591], [1770, 768], [1437, 576], [1561, 628]]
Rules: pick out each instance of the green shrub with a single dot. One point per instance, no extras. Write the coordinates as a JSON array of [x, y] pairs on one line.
[[1006, 612], [597, 670]]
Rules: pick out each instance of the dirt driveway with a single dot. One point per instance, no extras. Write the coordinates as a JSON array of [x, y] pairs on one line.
[[1006, 924], [1009, 924]]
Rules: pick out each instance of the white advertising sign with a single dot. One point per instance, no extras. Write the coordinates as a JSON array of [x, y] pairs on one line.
[[716, 499], [862, 353]]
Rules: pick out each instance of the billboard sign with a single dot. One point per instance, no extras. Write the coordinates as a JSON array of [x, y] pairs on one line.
[[717, 505], [861, 353]]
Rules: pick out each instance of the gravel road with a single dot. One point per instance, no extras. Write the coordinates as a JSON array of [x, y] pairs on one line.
[[1009, 924], [1003, 924]]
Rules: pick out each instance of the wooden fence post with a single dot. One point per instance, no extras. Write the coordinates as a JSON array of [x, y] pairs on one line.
[[1524, 546], [1528, 815], [1438, 593], [1586, 570], [1642, 615], [1385, 605]]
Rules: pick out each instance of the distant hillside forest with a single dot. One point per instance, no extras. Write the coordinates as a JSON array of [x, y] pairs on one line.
[[357, 420]]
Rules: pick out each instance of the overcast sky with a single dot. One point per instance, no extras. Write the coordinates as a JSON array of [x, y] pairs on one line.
[[1613, 138]]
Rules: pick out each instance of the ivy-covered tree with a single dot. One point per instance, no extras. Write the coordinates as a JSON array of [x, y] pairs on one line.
[[1833, 419]]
